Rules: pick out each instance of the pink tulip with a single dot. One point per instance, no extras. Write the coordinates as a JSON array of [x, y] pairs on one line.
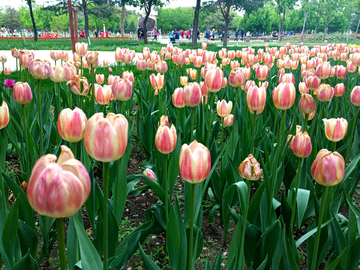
[[192, 94], [22, 93], [149, 173], [4, 115], [301, 145], [284, 96], [165, 139], [355, 96], [103, 94], [223, 108], [71, 125], [128, 75], [122, 89], [81, 48], [255, 98], [335, 129], [40, 69]]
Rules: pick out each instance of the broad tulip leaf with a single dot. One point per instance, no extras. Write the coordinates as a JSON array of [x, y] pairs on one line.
[[353, 256], [148, 262], [303, 196], [333, 265], [310, 233], [27, 262], [90, 259], [28, 239]]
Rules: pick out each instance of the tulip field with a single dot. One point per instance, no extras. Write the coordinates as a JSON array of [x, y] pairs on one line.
[[181, 159]]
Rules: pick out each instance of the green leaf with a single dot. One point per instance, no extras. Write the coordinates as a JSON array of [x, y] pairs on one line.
[[89, 257], [9, 236], [310, 233], [302, 203], [353, 256], [148, 263], [242, 190], [263, 264], [27, 262], [3, 215], [28, 239], [334, 264], [173, 168]]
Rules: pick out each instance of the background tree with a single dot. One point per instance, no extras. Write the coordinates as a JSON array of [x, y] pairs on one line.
[[282, 6], [305, 4], [32, 19], [10, 18], [356, 6], [195, 24]]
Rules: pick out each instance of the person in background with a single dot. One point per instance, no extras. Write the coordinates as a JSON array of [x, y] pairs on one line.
[[155, 34], [242, 33], [191, 33], [3, 31], [236, 35], [95, 33], [198, 34], [182, 33], [177, 35], [159, 33], [107, 33], [171, 37], [82, 33], [213, 33], [207, 34], [139, 33], [188, 34]]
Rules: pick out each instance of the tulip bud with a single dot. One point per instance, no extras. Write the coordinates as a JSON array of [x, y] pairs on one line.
[[192, 73], [58, 74], [157, 81], [284, 96], [100, 78], [122, 89], [7, 71], [355, 96], [192, 94], [149, 173], [4, 115], [161, 67], [339, 90], [81, 48], [106, 138], [164, 121], [177, 98], [214, 80], [22, 93], [262, 72], [301, 145], [236, 78], [335, 129], [183, 80], [165, 139], [302, 88], [325, 93], [194, 162], [249, 169], [223, 108], [307, 104], [71, 125], [40, 69], [128, 75], [59, 189], [328, 169]]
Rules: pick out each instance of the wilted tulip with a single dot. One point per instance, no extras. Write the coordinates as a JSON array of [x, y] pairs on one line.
[[79, 84], [81, 48], [92, 58], [22, 93], [157, 81], [262, 72], [122, 89], [4, 115], [128, 75], [103, 94], [194, 162], [250, 169], [192, 94], [58, 74], [328, 169], [335, 129], [106, 138], [183, 80], [165, 139], [236, 78], [100, 78], [59, 189], [325, 93], [40, 69], [15, 53], [71, 125], [223, 108], [284, 96], [301, 145], [149, 173], [255, 99]]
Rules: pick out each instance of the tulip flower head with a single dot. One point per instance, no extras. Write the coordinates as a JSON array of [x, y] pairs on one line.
[[177, 98], [214, 80], [22, 93], [301, 145], [106, 138], [9, 84], [328, 168], [284, 96], [165, 139], [192, 73], [335, 129], [141, 65], [192, 94], [25, 58], [250, 169], [255, 98], [128, 75], [58, 74], [194, 162], [122, 89], [164, 121], [236, 78], [149, 173], [7, 71], [58, 189], [71, 124], [161, 67], [183, 80], [80, 85], [355, 96], [262, 72], [339, 90], [81, 48], [228, 120], [55, 55], [40, 69], [223, 108], [103, 94], [324, 93], [100, 78], [307, 104], [4, 115], [157, 81]]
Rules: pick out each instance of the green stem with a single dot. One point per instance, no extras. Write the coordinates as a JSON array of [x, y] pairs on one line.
[[166, 190], [105, 214], [283, 117], [336, 107], [242, 248], [222, 133], [61, 243], [293, 205], [4, 192], [40, 120], [352, 135], [177, 118], [59, 99], [192, 124], [121, 107], [191, 237], [305, 122], [276, 117], [70, 96], [253, 134], [25, 136], [334, 146], [235, 102], [318, 233], [74, 150], [159, 95], [209, 124]]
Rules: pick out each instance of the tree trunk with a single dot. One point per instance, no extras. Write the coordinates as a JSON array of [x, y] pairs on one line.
[[303, 30], [196, 23], [86, 17], [33, 20], [227, 21], [279, 34], [357, 28], [282, 25], [147, 14], [326, 27], [122, 19], [317, 20]]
